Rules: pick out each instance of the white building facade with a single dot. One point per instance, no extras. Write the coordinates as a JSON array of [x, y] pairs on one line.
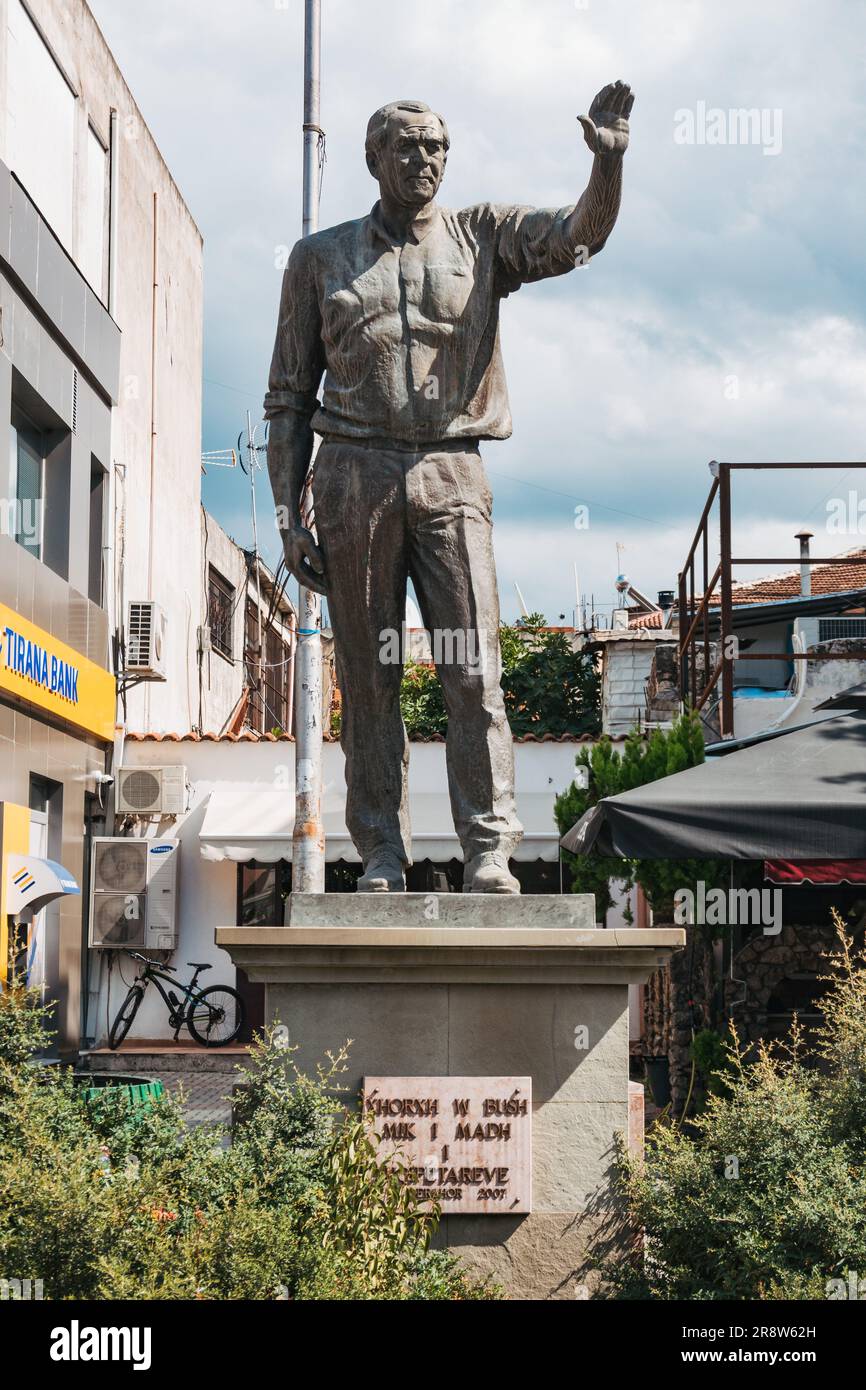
[[100, 422]]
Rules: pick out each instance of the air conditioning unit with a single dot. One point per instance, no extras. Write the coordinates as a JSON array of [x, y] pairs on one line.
[[151, 791], [133, 894], [145, 639]]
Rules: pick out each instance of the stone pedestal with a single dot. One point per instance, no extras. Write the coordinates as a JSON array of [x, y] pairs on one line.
[[431, 985]]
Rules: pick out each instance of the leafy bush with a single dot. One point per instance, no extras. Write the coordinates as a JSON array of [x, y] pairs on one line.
[[547, 687], [765, 1197], [711, 1054], [23, 1023], [109, 1201]]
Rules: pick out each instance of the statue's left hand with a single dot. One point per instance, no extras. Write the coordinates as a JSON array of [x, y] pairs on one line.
[[605, 129]]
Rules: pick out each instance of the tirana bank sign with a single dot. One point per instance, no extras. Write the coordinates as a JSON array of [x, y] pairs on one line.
[[46, 673]]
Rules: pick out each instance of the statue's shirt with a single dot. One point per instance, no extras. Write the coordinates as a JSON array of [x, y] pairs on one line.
[[406, 334]]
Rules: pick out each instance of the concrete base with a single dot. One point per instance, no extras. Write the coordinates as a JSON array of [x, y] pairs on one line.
[[445, 985]]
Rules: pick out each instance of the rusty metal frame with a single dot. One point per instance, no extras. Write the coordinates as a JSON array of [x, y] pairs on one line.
[[694, 611]]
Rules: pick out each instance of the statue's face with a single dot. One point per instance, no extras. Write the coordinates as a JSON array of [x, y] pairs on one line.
[[410, 165]]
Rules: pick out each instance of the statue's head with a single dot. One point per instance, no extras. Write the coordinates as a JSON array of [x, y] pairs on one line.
[[407, 147]]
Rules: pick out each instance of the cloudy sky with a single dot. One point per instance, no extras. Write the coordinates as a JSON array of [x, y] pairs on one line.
[[726, 318]]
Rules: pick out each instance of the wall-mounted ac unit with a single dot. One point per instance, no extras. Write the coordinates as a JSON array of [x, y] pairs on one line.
[[151, 791], [145, 639], [133, 894]]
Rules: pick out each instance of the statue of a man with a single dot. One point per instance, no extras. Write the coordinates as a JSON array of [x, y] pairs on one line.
[[399, 311]]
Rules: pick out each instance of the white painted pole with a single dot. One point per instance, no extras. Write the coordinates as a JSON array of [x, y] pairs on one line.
[[308, 838], [251, 455]]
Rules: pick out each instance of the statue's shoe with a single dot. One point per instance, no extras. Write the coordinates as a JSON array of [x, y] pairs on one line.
[[383, 873], [489, 873]]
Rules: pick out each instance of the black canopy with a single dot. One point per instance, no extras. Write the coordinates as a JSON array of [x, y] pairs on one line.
[[799, 794]]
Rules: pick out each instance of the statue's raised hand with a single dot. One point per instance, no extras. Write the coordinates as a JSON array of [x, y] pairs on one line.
[[605, 129]]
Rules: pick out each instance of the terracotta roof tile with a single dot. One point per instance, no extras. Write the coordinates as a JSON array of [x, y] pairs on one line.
[[645, 620], [248, 736], [826, 579]]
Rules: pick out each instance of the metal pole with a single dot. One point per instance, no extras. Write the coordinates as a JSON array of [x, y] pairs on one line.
[[308, 838], [726, 626], [251, 455]]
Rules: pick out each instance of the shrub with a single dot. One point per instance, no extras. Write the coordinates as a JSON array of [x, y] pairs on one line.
[[609, 771], [108, 1201], [765, 1197], [23, 1023]]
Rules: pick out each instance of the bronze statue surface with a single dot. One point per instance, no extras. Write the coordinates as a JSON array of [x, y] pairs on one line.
[[398, 311]]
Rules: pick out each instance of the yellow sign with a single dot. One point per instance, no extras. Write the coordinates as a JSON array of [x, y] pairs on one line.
[[54, 677]]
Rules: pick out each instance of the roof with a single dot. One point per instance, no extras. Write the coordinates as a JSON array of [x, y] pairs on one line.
[[647, 620], [249, 736], [826, 579]]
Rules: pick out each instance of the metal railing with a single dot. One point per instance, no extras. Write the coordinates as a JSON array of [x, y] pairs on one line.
[[697, 681]]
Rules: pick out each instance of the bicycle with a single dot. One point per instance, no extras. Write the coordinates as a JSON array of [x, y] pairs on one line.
[[214, 1016]]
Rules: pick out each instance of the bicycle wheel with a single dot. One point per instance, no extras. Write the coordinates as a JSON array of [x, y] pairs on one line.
[[122, 1024], [216, 1016]]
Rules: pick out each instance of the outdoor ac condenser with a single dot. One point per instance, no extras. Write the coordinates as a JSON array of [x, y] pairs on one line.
[[133, 894], [151, 791], [145, 640]]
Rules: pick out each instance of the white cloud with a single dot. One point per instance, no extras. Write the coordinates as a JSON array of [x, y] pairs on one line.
[[724, 264]]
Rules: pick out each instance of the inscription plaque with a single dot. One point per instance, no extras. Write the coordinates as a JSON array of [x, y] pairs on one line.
[[465, 1141]]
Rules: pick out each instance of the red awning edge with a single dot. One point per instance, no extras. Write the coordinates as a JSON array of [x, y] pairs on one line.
[[817, 871]]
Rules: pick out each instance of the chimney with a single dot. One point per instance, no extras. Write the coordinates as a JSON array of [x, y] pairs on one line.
[[804, 538]]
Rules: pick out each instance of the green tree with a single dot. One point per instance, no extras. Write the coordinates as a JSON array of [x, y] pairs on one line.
[[608, 771], [548, 688]]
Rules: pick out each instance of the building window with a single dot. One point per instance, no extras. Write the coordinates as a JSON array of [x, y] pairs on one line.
[[258, 886], [275, 685], [36, 500], [268, 708], [255, 710], [22, 519], [95, 584], [220, 607], [92, 257], [40, 123]]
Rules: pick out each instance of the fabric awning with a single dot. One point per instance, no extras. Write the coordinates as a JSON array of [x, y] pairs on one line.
[[815, 871], [251, 820], [32, 883], [798, 795]]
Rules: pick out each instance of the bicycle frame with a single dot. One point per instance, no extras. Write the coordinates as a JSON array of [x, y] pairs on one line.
[[177, 1012]]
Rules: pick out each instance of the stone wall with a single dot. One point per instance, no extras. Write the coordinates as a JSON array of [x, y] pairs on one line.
[[763, 963]]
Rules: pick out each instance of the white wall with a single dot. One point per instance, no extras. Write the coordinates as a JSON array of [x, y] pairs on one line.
[[208, 890], [222, 680], [40, 124], [45, 133]]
